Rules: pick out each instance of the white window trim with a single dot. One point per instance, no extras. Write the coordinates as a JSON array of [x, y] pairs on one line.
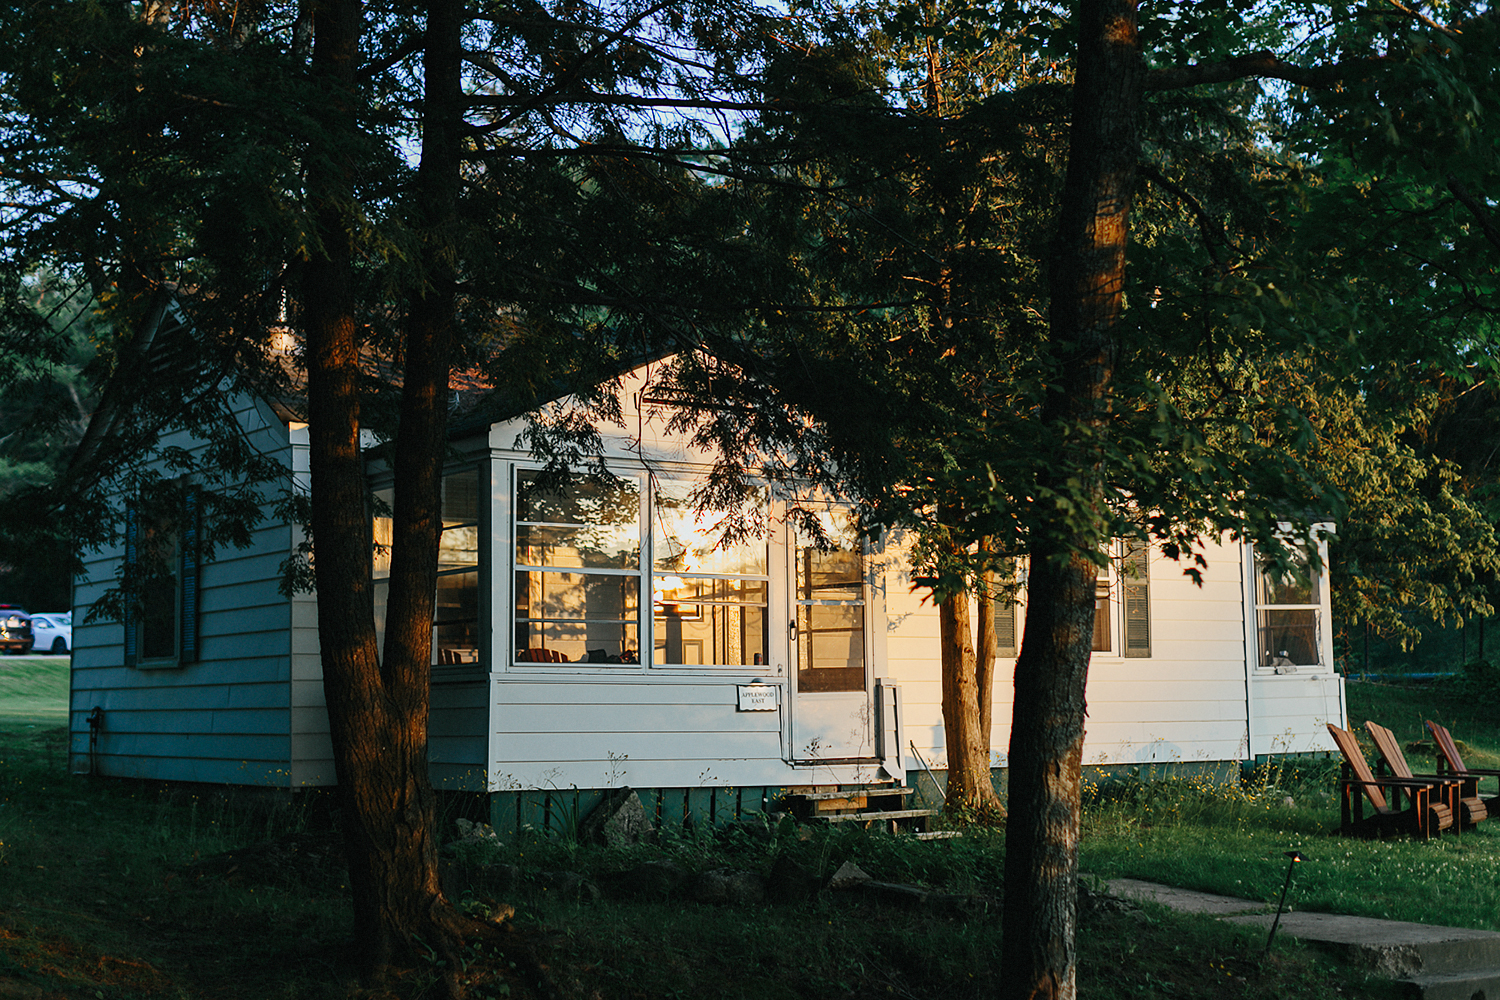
[[1318, 536]]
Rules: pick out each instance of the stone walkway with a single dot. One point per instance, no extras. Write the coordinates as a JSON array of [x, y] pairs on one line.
[[1437, 963]]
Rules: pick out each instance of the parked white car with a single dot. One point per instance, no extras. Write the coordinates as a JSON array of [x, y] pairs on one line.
[[52, 633]]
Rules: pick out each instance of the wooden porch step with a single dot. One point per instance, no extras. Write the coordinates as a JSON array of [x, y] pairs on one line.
[[821, 804], [879, 814], [843, 788], [865, 803], [873, 792]]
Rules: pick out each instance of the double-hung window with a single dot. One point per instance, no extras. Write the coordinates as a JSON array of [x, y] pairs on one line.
[[1130, 572], [161, 584], [1288, 605]]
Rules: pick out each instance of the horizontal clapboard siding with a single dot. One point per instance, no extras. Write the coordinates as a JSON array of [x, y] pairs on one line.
[[647, 732], [228, 716], [1291, 712], [1184, 702], [458, 734], [312, 748]]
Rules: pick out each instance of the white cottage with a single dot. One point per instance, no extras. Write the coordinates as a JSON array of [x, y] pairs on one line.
[[594, 633]]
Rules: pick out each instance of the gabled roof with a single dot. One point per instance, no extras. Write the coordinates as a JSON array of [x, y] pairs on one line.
[[163, 348]]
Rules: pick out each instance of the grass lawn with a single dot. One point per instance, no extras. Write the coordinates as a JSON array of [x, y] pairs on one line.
[[1197, 835], [123, 890], [33, 690]]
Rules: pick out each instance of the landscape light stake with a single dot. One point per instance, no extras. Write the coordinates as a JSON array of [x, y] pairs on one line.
[[1296, 856]]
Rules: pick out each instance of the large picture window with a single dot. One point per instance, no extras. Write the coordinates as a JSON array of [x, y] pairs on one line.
[[709, 596], [1288, 604], [578, 569]]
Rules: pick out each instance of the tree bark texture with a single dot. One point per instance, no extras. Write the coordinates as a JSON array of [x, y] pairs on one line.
[[970, 785], [984, 669], [378, 712], [1041, 862]]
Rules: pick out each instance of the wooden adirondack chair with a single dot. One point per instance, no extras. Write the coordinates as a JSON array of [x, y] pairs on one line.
[[1422, 816], [1449, 762], [1461, 795]]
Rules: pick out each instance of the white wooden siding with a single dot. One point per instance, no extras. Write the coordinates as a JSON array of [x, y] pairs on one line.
[[312, 748], [252, 710], [1290, 712], [647, 732], [1186, 702]]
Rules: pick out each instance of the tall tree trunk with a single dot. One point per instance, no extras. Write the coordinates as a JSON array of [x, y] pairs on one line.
[[970, 785], [984, 669], [1046, 750], [346, 624], [378, 712]]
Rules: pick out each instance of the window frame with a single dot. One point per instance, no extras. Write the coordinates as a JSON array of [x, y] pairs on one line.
[[186, 525], [774, 582], [845, 676], [380, 563], [771, 541], [517, 568], [1260, 658]]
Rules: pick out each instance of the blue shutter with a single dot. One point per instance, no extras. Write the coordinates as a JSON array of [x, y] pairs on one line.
[[191, 521], [128, 597]]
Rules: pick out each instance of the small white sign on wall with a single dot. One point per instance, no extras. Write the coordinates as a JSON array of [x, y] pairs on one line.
[[757, 698]]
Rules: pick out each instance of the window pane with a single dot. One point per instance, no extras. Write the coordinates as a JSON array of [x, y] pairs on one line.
[[458, 547], [711, 634], [457, 642], [829, 576], [461, 497], [685, 541], [381, 561], [594, 546], [1272, 587], [158, 563], [833, 575], [551, 595], [1103, 639], [1288, 638], [159, 618], [579, 500], [457, 597], [603, 642], [830, 637], [672, 590]]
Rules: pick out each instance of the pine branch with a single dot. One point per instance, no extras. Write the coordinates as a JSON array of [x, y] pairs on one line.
[[1262, 65], [1486, 224]]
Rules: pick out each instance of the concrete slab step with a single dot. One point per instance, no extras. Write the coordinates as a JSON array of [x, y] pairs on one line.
[[1481, 984], [1429, 962], [1393, 948], [1181, 900]]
